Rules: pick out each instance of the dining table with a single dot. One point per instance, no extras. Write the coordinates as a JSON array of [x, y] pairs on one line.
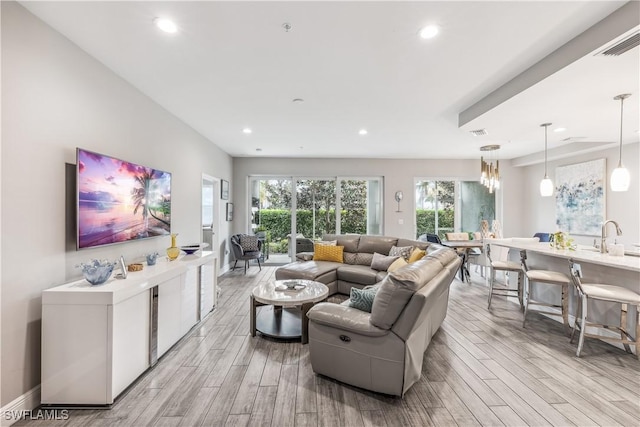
[[464, 247]]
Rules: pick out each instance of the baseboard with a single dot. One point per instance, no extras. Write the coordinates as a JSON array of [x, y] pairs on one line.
[[225, 268], [20, 406]]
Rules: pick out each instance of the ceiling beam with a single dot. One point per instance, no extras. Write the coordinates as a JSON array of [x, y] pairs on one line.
[[568, 150], [616, 24]]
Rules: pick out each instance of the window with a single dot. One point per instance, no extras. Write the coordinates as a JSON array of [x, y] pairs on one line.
[[315, 207], [435, 207], [281, 207], [452, 205], [361, 206]]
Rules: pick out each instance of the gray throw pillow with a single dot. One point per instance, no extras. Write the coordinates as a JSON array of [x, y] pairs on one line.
[[362, 299], [403, 251], [248, 243], [382, 262]]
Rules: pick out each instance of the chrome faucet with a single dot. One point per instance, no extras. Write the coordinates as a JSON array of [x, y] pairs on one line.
[[603, 246]]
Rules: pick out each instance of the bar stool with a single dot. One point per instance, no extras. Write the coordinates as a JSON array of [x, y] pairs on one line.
[[505, 266], [610, 293], [549, 278]]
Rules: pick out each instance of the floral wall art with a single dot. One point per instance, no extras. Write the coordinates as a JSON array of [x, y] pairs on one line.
[[580, 197]]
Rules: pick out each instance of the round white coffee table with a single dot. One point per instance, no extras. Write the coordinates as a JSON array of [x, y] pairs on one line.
[[283, 313]]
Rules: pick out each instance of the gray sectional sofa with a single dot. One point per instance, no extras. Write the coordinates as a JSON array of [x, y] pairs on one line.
[[383, 350], [356, 270]]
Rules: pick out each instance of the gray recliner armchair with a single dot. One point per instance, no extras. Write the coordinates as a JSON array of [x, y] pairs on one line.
[[244, 250], [383, 350]]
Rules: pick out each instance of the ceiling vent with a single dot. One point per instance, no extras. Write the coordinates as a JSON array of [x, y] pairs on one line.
[[622, 46], [479, 132]]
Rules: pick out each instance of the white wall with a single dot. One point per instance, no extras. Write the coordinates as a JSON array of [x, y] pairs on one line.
[[398, 175], [540, 212], [55, 98]]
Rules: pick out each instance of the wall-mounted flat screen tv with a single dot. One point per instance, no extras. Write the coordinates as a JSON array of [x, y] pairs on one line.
[[119, 201]]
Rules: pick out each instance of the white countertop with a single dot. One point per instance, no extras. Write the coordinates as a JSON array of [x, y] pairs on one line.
[[583, 253], [116, 290]]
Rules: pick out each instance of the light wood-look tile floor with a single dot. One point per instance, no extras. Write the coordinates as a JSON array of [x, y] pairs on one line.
[[482, 368]]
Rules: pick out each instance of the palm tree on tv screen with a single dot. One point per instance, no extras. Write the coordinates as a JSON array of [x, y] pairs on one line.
[[139, 195]]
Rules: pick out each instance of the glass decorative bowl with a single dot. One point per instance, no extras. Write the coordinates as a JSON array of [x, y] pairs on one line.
[[151, 258], [97, 271]]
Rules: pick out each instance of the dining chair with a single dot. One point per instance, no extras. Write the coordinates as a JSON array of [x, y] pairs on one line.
[[433, 238], [544, 237], [480, 260], [464, 253], [608, 293], [456, 236]]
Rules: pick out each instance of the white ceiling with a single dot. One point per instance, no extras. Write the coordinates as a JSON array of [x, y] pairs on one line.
[[358, 65]]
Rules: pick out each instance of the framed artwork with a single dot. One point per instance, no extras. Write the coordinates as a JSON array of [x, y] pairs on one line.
[[224, 190], [580, 197], [229, 211]]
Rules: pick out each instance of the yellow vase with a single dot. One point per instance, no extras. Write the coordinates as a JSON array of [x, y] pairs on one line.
[[173, 251]]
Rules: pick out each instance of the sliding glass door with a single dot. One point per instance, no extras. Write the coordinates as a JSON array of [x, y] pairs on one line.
[[452, 205], [315, 207], [360, 205], [270, 217], [435, 207], [289, 213]]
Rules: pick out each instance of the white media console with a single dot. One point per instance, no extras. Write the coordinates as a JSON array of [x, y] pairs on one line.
[[96, 340]]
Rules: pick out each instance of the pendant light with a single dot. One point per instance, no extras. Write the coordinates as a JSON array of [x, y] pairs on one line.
[[490, 174], [620, 176], [546, 185]]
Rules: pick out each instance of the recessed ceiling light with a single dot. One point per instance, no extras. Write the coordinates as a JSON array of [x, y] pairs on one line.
[[363, 132], [166, 25], [298, 100], [247, 131], [429, 32], [258, 150], [559, 129]]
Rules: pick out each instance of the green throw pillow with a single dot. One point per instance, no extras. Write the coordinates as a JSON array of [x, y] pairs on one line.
[[362, 299]]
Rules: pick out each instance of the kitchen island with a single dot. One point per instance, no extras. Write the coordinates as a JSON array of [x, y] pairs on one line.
[[596, 268]]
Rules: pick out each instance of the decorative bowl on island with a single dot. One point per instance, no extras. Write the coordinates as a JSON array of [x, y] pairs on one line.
[[97, 271]]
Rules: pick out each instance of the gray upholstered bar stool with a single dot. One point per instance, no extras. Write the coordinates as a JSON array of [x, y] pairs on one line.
[[545, 277], [504, 266], [610, 293]]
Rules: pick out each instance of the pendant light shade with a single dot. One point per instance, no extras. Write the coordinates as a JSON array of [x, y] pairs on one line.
[[620, 177], [546, 185], [490, 174]]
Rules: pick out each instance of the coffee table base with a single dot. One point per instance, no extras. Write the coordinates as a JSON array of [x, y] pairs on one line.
[[278, 322]]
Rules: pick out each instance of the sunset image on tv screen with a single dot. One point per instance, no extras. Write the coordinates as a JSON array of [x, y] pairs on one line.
[[120, 201]]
